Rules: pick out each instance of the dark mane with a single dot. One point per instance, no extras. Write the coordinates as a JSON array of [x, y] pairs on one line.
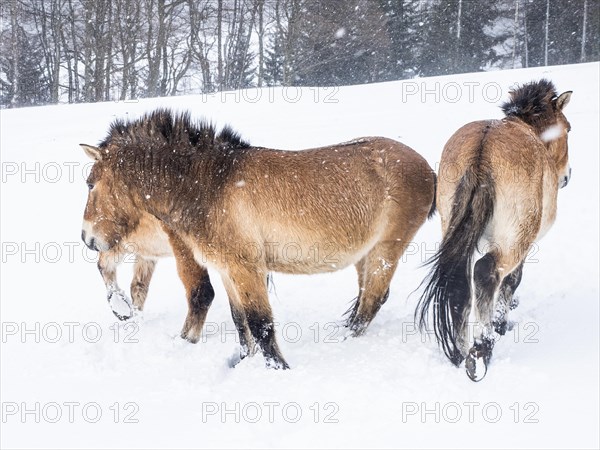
[[162, 126], [232, 137], [533, 103]]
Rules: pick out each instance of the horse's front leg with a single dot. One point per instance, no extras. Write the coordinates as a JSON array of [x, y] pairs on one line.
[[116, 297], [247, 344], [198, 289]]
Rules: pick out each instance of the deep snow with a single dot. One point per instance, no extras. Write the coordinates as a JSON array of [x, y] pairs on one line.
[[380, 390]]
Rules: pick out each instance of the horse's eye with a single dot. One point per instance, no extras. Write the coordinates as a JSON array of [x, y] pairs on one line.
[[90, 186]]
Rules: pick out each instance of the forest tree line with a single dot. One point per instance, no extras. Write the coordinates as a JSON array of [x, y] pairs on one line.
[[73, 51]]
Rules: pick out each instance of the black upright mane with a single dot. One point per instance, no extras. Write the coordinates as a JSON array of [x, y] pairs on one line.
[[164, 127], [532, 103]]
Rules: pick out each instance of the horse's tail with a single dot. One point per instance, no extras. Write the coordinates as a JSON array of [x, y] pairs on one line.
[[448, 288]]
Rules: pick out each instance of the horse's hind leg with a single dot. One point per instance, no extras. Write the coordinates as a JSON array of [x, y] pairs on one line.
[[488, 274], [378, 269], [247, 344], [142, 274], [249, 289], [353, 310], [506, 300]]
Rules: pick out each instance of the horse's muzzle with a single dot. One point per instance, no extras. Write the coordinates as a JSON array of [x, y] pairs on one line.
[[91, 243]]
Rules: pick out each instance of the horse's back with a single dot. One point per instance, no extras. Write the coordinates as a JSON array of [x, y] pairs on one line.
[[362, 171], [512, 158], [341, 196]]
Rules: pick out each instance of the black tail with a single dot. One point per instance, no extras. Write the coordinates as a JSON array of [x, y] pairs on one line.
[[448, 288]]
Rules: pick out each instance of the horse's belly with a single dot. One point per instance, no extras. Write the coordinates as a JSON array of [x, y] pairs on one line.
[[315, 254], [296, 259]]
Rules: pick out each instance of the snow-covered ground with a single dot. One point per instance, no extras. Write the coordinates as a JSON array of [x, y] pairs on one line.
[[73, 378]]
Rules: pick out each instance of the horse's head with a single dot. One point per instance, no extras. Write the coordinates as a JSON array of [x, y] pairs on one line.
[[555, 136], [109, 214], [538, 105]]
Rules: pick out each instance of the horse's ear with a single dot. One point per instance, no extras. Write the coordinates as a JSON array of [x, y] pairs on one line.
[[92, 152], [563, 100]]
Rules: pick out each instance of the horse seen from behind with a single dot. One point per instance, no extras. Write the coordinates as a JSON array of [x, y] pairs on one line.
[[498, 182]]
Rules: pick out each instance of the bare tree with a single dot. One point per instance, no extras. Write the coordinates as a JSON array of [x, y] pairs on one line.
[[261, 41], [14, 77], [546, 32], [220, 44], [584, 30]]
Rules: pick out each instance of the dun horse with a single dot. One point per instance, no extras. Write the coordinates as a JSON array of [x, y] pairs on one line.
[[497, 191], [147, 242], [246, 211]]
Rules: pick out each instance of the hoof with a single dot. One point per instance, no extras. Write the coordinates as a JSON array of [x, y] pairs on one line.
[[476, 368], [236, 358], [242, 353], [357, 327], [249, 349], [476, 363], [120, 304], [277, 364], [502, 327], [192, 329], [189, 336]]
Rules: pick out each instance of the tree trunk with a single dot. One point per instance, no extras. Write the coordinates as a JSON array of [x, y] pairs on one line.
[[219, 45], [100, 49], [526, 45], [546, 32], [15, 76], [243, 50], [458, 24], [515, 29], [87, 57], [288, 64], [75, 54], [70, 89], [261, 47], [584, 31], [55, 26]]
